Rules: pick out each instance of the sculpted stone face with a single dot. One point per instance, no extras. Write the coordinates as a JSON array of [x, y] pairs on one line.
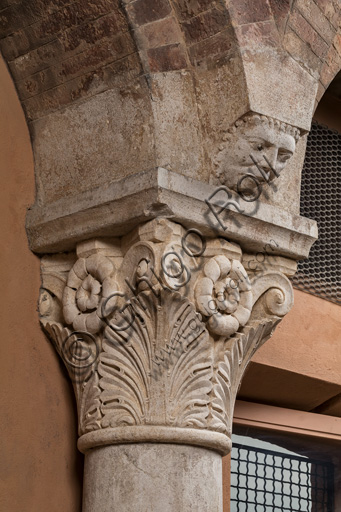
[[255, 141]]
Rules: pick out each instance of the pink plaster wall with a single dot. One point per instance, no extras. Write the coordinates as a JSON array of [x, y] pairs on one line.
[[40, 469], [307, 341], [299, 367]]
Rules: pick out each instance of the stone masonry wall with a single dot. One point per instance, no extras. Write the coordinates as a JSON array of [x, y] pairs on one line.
[[60, 52]]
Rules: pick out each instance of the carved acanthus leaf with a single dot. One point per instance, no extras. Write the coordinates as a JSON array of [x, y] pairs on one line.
[[90, 406], [80, 360], [165, 348], [124, 369], [272, 299], [190, 379], [237, 353]]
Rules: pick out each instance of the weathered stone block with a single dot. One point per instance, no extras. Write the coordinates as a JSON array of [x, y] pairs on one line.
[[44, 7], [320, 91], [57, 97], [39, 97], [92, 32], [337, 43], [36, 36], [286, 90], [74, 14], [280, 10], [328, 7], [160, 33], [188, 8], [36, 84], [122, 71], [331, 66], [14, 45], [316, 18], [177, 125], [253, 35], [95, 56], [301, 52], [204, 25], [250, 11], [118, 140], [145, 11], [36, 60], [306, 32], [167, 58], [216, 46], [16, 16]]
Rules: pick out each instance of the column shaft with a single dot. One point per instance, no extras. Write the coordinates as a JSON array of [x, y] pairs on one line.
[[147, 477]]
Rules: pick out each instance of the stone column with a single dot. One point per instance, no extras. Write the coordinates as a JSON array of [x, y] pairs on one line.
[[152, 476], [156, 329]]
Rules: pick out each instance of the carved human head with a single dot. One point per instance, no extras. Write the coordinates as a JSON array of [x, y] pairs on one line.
[[255, 140]]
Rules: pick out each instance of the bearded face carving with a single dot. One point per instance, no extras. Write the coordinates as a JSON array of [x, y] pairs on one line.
[[256, 145]]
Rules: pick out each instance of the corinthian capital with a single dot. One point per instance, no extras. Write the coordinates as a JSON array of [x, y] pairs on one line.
[[156, 329]]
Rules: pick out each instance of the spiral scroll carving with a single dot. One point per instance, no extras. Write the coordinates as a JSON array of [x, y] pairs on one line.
[[90, 282], [276, 291], [224, 295]]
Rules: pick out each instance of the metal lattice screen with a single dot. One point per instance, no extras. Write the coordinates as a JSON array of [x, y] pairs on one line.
[[321, 201], [269, 481]]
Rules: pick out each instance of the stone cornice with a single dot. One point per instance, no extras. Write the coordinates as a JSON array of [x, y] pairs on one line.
[[119, 207]]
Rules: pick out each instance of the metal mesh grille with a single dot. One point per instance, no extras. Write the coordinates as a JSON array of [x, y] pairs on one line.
[[320, 200], [268, 481]]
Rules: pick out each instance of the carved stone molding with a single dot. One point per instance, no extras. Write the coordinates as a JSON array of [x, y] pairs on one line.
[[136, 199], [156, 329]]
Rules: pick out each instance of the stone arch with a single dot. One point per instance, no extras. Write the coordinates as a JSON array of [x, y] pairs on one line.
[[312, 36], [331, 67]]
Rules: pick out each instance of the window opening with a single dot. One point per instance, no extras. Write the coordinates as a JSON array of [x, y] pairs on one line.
[[321, 201], [278, 480]]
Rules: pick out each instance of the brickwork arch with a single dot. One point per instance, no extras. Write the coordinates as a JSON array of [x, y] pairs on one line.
[[61, 52]]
